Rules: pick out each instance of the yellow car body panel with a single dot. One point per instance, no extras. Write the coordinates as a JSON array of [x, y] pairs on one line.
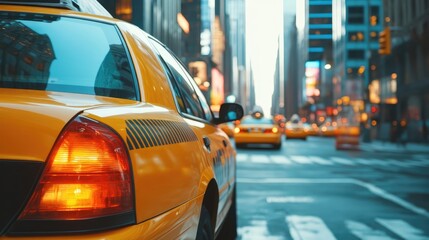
[[171, 166], [269, 138], [295, 130], [294, 133], [25, 113], [177, 223]]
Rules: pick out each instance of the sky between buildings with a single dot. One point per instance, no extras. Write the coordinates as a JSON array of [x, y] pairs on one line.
[[264, 27]]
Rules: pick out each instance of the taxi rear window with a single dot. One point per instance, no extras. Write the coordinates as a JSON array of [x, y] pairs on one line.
[[57, 53], [251, 120]]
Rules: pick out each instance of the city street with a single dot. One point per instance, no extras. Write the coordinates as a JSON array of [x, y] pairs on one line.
[[308, 190]]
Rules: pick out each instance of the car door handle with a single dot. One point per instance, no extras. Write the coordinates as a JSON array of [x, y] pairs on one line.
[[206, 141]]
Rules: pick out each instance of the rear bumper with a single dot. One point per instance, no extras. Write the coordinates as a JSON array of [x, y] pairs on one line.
[[295, 134], [178, 223], [249, 138]]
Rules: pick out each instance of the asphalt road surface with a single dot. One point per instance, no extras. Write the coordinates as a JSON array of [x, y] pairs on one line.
[[308, 191]]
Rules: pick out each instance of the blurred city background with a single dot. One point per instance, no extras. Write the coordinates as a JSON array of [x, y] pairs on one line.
[[355, 62]]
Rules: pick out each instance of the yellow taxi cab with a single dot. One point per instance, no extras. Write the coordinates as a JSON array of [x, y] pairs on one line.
[[347, 137], [347, 134], [295, 128], [311, 129], [328, 128], [104, 134], [257, 129]]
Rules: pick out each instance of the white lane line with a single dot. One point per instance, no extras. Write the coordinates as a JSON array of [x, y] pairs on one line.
[[241, 157], [259, 159], [280, 159], [300, 159], [308, 228], [320, 160], [403, 229], [256, 231], [364, 232], [342, 161], [289, 199], [374, 189]]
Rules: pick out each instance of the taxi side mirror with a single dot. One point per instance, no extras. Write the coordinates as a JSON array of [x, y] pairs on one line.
[[229, 112]]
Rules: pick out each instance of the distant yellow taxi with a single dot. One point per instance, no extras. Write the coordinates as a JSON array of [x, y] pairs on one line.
[[328, 129], [257, 129], [295, 128], [104, 134], [347, 137]]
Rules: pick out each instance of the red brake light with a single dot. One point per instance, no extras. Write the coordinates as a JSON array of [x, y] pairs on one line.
[[87, 175]]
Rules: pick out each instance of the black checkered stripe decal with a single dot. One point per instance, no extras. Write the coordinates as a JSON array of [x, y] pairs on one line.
[[143, 133]]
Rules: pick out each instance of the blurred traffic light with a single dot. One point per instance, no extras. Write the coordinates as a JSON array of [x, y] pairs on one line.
[[385, 42], [374, 109]]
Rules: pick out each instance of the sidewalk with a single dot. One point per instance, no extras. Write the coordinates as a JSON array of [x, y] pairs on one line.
[[380, 146]]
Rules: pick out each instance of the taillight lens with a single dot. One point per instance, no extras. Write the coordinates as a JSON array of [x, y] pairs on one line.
[[237, 130], [87, 176], [271, 130]]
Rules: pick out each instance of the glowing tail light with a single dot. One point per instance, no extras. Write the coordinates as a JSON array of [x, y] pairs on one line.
[[87, 176], [236, 130], [271, 130]]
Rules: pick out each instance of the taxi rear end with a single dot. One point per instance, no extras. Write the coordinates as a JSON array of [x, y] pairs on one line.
[[257, 130], [92, 143]]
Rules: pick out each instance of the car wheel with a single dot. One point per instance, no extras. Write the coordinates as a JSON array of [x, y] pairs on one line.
[[205, 229], [229, 229], [277, 146]]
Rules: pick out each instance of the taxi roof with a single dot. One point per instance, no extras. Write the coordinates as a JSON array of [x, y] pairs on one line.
[[84, 6]]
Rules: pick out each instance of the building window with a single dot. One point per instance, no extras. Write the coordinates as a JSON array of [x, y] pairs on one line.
[[356, 54], [356, 36], [355, 15], [320, 31], [373, 36], [320, 9], [374, 15], [320, 20]]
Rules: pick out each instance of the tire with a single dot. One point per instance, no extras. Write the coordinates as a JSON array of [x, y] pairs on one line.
[[277, 146], [205, 230], [229, 228]]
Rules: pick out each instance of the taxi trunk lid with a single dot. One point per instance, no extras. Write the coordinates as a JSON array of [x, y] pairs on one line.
[[30, 123]]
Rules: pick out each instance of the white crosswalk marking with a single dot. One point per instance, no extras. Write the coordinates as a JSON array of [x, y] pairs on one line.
[[397, 163], [308, 228], [259, 159], [256, 231], [362, 161], [381, 162], [280, 159], [342, 161], [300, 159], [241, 157], [320, 160], [305, 160], [364, 232], [403, 229]]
